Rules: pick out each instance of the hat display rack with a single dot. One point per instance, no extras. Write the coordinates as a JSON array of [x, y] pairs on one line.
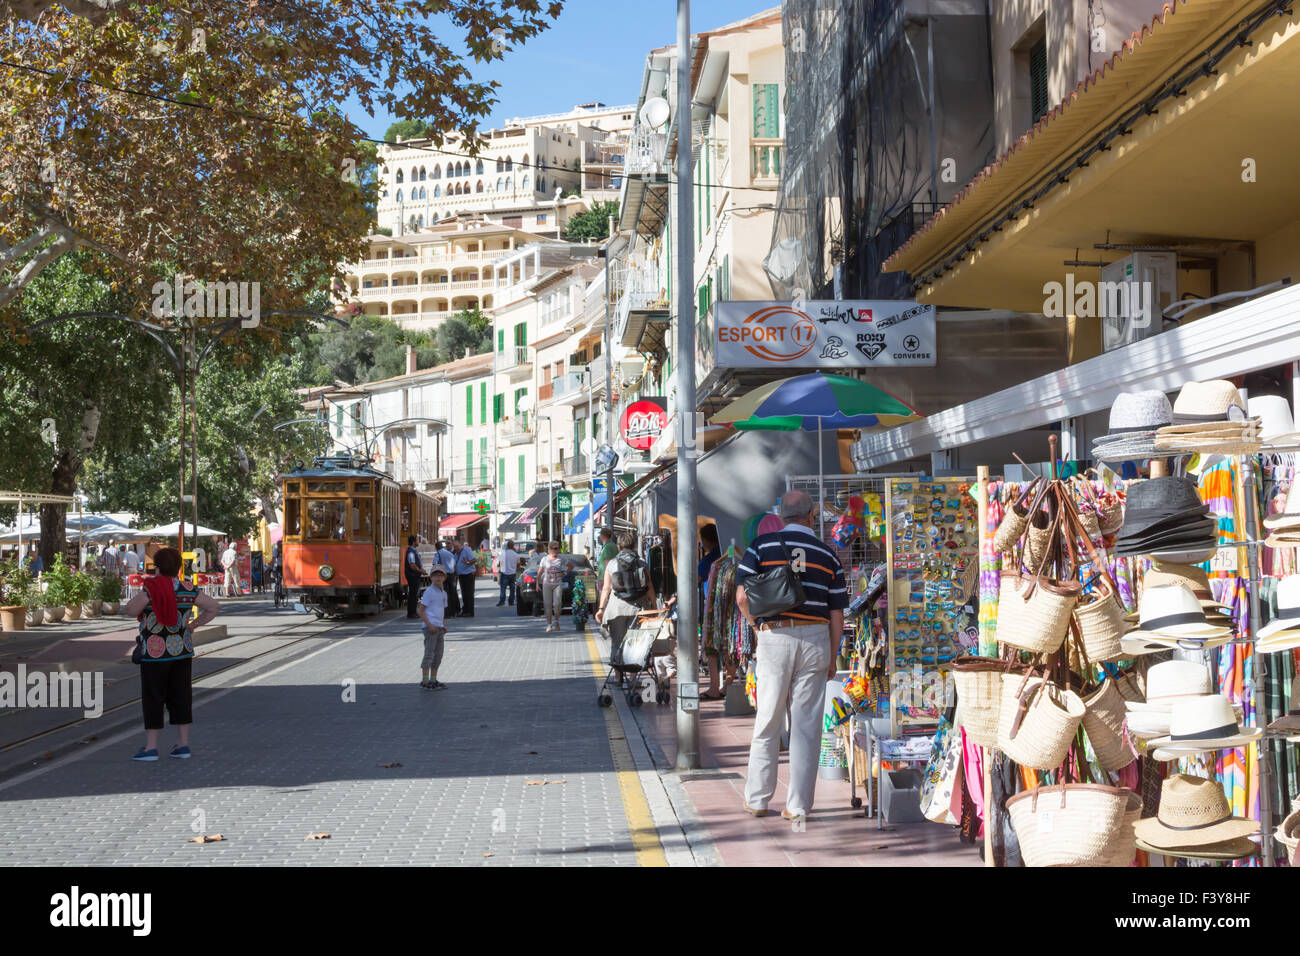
[[1064, 530]]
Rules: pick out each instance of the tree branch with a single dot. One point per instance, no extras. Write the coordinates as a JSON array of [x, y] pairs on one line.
[[96, 11]]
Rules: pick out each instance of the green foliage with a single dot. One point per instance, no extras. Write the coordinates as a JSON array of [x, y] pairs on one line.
[[467, 329], [17, 586], [59, 591], [110, 588], [368, 348], [592, 224], [410, 129]]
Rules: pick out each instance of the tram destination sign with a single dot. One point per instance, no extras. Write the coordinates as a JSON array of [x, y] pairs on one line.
[[824, 333]]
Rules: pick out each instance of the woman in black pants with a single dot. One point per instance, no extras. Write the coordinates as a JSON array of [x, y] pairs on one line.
[[165, 650]]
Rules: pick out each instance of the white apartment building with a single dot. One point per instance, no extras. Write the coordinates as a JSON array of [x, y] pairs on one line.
[[420, 279]]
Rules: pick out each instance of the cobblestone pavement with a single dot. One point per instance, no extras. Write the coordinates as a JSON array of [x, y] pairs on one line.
[[509, 765]]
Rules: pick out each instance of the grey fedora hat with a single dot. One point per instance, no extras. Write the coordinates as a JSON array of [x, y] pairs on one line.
[[1157, 501], [1143, 411]]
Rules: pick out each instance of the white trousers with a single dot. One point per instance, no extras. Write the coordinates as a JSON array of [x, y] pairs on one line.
[[791, 666]]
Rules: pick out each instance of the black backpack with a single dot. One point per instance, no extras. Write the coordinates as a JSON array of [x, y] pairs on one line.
[[630, 577]]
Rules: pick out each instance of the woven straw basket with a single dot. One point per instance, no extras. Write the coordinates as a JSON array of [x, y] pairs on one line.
[[1044, 736], [979, 695], [1039, 624], [1102, 625], [1036, 541], [1090, 524], [1103, 722], [1072, 824], [1010, 530], [1123, 847]]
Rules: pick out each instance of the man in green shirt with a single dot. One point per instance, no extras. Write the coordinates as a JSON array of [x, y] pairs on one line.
[[608, 551]]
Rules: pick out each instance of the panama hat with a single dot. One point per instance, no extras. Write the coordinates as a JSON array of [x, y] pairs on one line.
[[1197, 724], [1276, 425], [1287, 618], [1225, 850], [1289, 516], [1208, 403], [1188, 574], [1159, 503], [1291, 721], [1148, 723], [1134, 418], [1171, 681], [1193, 812], [1171, 612]]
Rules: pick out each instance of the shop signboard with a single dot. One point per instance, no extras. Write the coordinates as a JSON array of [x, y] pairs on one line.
[[825, 333], [643, 421], [564, 502]]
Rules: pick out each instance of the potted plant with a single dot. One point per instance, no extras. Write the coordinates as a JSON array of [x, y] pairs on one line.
[[91, 605], [60, 592], [13, 613], [79, 591], [110, 592]]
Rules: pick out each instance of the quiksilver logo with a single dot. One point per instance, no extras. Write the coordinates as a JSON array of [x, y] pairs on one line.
[[77, 909]]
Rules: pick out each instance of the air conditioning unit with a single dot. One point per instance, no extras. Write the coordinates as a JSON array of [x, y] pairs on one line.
[[1132, 296]]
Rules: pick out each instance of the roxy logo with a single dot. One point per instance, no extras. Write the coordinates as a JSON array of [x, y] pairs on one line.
[[871, 344], [77, 909]]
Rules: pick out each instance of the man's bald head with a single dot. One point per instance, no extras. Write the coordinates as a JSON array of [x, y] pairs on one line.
[[795, 504]]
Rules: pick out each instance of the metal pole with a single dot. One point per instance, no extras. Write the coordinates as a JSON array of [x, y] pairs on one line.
[[609, 392], [688, 652], [591, 428]]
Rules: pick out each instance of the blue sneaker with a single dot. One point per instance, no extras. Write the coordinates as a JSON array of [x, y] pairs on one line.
[[144, 755], [182, 753]]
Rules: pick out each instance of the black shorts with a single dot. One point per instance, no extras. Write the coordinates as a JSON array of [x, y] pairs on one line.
[[166, 683]]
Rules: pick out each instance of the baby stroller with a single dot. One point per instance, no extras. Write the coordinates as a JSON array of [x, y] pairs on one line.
[[634, 658]]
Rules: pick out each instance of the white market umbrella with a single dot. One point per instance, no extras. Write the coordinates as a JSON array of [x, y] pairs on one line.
[[115, 533], [173, 529]]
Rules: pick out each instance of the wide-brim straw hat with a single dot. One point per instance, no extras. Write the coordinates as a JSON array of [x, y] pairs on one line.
[[1288, 831], [1172, 611], [1288, 608], [1227, 850], [1276, 423], [1200, 403], [1193, 812], [1148, 723], [1226, 445], [1284, 538], [1198, 724], [1135, 447], [1134, 645], [1171, 681]]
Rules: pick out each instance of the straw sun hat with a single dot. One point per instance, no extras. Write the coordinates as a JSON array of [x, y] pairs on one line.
[[1171, 616], [1193, 813], [1209, 417], [1283, 631], [1291, 721], [1167, 682], [1276, 425]]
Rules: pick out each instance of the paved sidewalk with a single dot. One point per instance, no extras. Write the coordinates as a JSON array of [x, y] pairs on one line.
[[834, 834]]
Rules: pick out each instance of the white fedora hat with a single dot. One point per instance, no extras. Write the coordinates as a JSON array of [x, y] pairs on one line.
[[1148, 723], [1288, 608], [1289, 516], [1276, 424], [1171, 612], [1198, 724], [1170, 681]]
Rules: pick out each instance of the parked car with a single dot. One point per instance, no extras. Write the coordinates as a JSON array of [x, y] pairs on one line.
[[528, 598]]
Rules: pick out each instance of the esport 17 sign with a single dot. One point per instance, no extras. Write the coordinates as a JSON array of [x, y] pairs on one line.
[[824, 333]]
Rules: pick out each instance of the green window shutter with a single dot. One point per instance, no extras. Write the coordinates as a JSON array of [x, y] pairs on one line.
[[767, 111], [469, 404], [482, 461], [501, 473], [726, 277], [501, 340], [482, 403], [469, 457], [702, 301], [498, 406], [521, 474], [1038, 79]]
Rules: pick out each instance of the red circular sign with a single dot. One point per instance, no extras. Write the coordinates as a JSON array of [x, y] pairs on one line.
[[642, 423]]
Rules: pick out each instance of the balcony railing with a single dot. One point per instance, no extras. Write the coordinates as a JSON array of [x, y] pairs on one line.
[[646, 151], [472, 477], [765, 159], [575, 465], [569, 383], [596, 373], [515, 431], [513, 357]]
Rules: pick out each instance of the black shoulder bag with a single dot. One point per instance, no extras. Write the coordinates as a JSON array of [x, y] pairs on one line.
[[771, 593]]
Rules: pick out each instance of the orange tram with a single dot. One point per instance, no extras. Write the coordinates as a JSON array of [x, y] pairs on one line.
[[345, 530]]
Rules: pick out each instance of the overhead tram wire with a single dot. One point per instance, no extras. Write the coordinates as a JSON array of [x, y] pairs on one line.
[[243, 114]]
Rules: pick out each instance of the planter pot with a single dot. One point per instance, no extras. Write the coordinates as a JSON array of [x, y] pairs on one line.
[[71, 612], [35, 616], [13, 617], [111, 607], [90, 608], [53, 614]]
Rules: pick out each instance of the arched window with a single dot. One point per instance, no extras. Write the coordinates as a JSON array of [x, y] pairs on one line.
[[509, 164], [437, 171], [479, 187], [478, 168], [422, 174], [423, 194], [525, 184], [525, 162], [500, 164], [399, 176], [422, 222], [399, 192], [437, 191], [460, 169], [541, 184]]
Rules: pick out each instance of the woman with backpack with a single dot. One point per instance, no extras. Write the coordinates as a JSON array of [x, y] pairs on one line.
[[627, 590]]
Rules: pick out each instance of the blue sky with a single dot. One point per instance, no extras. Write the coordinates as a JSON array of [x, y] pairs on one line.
[[595, 51]]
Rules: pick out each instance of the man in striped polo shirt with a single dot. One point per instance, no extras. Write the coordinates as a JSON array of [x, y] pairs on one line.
[[795, 656]]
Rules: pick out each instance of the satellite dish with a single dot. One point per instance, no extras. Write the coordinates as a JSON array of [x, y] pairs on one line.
[[655, 112], [589, 446], [525, 403]]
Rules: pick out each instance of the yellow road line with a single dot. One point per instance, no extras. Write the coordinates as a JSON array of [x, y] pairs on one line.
[[645, 836]]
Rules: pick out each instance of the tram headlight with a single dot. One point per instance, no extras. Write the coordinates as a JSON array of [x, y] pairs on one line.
[[326, 572]]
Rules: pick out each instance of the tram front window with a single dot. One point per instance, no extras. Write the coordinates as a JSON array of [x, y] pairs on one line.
[[361, 522], [326, 520]]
